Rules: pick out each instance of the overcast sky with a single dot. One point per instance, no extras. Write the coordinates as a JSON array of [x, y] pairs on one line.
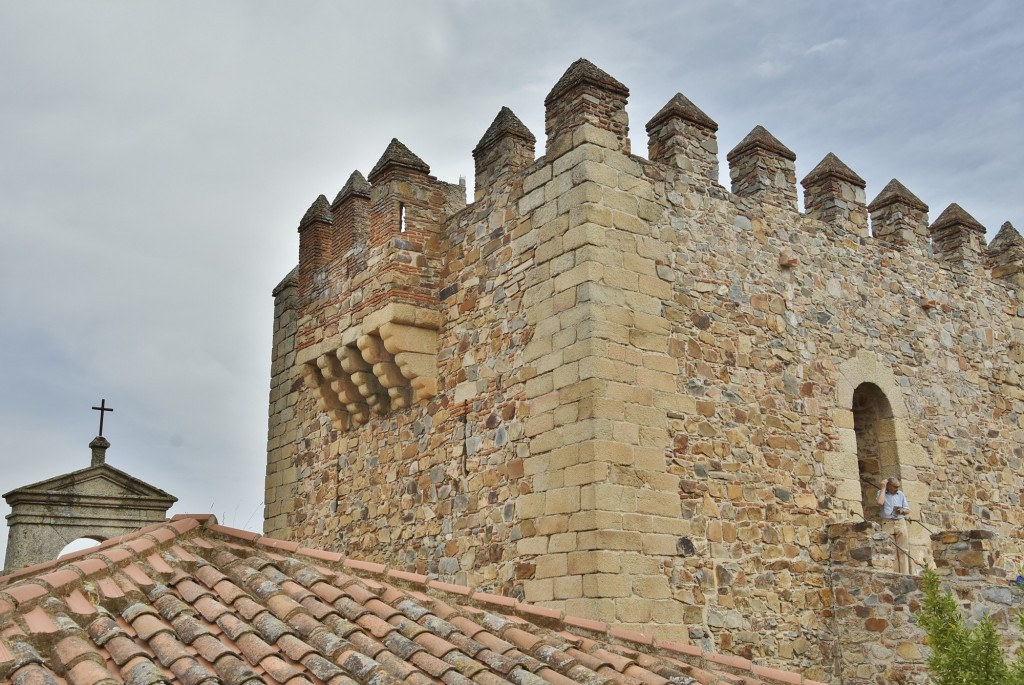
[[155, 159]]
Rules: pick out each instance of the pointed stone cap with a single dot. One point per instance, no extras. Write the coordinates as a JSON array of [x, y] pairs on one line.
[[99, 447], [320, 210], [289, 281], [681, 107], [832, 166], [505, 124], [759, 137], [1008, 239], [584, 71], [894, 192], [398, 155], [356, 186], [954, 215]]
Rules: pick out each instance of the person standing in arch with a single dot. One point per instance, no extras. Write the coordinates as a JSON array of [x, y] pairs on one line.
[[895, 509]]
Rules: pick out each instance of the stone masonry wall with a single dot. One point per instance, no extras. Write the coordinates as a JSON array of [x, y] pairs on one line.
[[644, 403]]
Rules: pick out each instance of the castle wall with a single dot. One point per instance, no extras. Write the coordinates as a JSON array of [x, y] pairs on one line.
[[641, 401]]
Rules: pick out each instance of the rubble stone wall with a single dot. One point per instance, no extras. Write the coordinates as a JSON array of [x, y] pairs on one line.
[[650, 396]]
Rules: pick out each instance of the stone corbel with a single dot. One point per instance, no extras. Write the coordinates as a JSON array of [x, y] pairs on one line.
[[409, 334], [385, 369], [362, 375], [328, 400], [343, 388]]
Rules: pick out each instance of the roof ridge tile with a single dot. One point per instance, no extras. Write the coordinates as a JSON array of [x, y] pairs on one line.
[[449, 587], [275, 543]]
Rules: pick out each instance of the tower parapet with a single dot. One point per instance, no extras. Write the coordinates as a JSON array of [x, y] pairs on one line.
[[899, 218], [586, 104], [834, 194], [682, 136], [374, 349], [957, 238], [763, 168]]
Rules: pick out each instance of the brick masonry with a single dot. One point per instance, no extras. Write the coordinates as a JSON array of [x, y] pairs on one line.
[[613, 387]]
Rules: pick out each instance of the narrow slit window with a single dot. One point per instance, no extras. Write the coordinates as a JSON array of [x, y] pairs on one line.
[[401, 218]]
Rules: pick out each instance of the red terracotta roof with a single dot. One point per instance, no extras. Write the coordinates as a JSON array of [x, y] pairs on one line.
[[190, 602]]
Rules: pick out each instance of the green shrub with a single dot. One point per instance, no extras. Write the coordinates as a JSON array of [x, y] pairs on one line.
[[960, 654]]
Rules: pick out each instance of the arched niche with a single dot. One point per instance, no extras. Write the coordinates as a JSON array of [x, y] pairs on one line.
[[871, 421], [877, 450]]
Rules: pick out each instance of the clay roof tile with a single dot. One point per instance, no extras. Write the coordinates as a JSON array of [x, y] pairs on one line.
[[122, 649], [33, 675], [38, 622], [375, 631]]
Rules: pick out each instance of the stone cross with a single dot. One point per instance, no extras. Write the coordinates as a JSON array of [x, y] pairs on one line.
[[101, 409]]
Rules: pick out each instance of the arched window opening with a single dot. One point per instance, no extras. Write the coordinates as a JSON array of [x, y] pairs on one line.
[[78, 545], [877, 456]]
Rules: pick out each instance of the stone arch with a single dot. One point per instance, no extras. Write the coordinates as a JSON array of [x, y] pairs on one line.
[[868, 393], [78, 544]]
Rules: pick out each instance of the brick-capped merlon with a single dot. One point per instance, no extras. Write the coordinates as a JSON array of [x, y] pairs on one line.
[[586, 95], [682, 135], [351, 215], [506, 147], [899, 217], [506, 123], [832, 167], [316, 247], [834, 194], [895, 192], [762, 167], [355, 186], [1005, 255], [759, 139], [957, 237], [320, 211], [397, 155]]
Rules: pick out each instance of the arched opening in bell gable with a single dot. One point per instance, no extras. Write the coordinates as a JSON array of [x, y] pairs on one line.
[[78, 544], [877, 455]]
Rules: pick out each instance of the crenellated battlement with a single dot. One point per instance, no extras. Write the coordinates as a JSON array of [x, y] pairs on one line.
[[614, 387]]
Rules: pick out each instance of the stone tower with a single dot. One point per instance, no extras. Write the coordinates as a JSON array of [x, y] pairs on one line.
[[615, 387]]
